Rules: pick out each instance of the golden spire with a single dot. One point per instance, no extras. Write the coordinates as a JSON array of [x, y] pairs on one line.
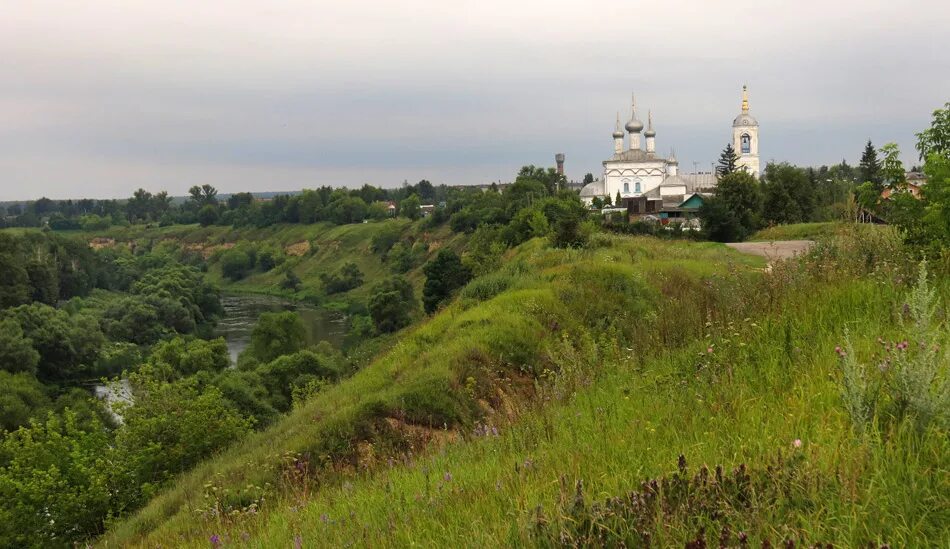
[[745, 98]]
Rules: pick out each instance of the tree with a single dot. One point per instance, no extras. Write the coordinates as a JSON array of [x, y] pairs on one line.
[[588, 178], [188, 357], [15, 282], [870, 168], [168, 430], [16, 350], [205, 195], [426, 191], [720, 223], [208, 215], [789, 194], [235, 264], [410, 207], [618, 201], [298, 369], [277, 334], [444, 275], [67, 345], [727, 161], [736, 212], [936, 138], [22, 397], [391, 304], [139, 206], [893, 175], [56, 475]]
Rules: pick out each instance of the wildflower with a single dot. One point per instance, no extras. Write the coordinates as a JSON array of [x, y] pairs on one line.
[[325, 518], [298, 542], [447, 476], [709, 350], [903, 345], [797, 443], [215, 540], [840, 352]]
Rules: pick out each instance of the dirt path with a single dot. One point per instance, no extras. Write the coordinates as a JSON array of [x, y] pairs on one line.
[[777, 249]]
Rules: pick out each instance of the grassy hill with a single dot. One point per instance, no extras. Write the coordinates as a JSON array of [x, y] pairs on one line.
[[308, 250], [551, 402]]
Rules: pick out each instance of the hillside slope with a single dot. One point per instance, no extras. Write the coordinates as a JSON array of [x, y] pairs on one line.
[[572, 376], [308, 250]]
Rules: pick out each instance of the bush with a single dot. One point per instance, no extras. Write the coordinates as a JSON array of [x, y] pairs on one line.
[[910, 378], [291, 281], [348, 277], [235, 264], [392, 304]]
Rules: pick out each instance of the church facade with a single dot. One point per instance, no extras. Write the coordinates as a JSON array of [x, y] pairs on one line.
[[647, 181]]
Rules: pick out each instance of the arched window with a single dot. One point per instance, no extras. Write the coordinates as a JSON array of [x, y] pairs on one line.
[[746, 143], [637, 186], [626, 187]]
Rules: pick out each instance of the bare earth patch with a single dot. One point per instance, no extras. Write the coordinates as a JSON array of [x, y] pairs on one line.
[[298, 249], [777, 249]]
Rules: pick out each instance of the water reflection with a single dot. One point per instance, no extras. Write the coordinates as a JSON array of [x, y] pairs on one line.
[[241, 313]]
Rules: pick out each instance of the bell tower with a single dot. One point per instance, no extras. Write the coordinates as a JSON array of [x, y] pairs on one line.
[[745, 137]]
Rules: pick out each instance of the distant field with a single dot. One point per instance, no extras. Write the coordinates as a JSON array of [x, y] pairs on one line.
[[798, 231]]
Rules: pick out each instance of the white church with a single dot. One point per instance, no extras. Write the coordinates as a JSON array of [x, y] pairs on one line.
[[648, 183]]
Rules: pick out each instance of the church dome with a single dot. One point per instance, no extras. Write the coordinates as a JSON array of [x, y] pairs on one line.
[[650, 133], [745, 119], [634, 125], [618, 134]]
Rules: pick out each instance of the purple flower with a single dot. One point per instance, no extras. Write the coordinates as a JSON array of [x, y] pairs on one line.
[[215, 540], [447, 476]]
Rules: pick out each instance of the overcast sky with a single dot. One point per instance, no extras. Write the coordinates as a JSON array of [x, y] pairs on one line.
[[100, 97]]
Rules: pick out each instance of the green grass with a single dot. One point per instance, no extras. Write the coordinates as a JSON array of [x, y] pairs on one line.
[[592, 365], [798, 231]]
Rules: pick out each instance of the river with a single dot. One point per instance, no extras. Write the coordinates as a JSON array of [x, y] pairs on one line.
[[242, 310]]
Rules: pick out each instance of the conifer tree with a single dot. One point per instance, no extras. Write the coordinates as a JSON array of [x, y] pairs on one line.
[[870, 167], [618, 200], [727, 161]]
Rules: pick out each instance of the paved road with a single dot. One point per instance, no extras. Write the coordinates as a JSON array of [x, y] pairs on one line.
[[778, 249]]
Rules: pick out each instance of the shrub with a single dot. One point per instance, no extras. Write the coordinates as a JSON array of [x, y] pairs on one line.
[[486, 287], [910, 378], [291, 281], [348, 277], [235, 264], [392, 304]]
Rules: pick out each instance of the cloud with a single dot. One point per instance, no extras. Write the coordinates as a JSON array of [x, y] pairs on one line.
[[103, 97]]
